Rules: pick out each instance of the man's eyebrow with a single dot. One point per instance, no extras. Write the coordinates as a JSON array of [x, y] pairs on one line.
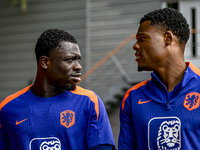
[[140, 34], [74, 56], [77, 56]]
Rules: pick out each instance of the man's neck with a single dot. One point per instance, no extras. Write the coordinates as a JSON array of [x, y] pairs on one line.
[[171, 75]]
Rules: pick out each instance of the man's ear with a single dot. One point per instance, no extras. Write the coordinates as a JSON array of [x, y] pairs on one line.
[[168, 37], [44, 62]]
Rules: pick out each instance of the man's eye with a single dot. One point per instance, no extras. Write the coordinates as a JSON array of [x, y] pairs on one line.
[[142, 39], [69, 60], [73, 59]]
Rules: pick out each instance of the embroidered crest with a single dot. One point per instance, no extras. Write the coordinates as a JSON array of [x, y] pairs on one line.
[[67, 118], [191, 101]]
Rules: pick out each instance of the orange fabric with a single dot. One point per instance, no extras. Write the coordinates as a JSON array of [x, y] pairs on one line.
[[13, 96], [194, 68], [90, 94], [133, 88]]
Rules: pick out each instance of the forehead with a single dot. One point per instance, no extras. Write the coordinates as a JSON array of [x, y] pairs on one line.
[[70, 48], [146, 29]]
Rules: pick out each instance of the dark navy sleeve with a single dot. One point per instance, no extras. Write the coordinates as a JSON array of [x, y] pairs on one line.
[[102, 147]]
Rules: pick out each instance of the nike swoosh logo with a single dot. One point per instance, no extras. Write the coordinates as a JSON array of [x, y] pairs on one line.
[[17, 123], [143, 102]]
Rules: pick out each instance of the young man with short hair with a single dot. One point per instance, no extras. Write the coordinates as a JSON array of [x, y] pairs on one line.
[[54, 113], [162, 113]]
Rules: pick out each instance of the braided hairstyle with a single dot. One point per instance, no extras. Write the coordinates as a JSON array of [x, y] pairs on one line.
[[169, 19], [50, 40]]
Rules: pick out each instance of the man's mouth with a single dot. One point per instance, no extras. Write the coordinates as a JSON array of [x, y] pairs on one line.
[[137, 56], [76, 77]]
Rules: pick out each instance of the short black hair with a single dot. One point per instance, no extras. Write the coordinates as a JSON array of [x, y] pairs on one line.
[[50, 40], [169, 19]]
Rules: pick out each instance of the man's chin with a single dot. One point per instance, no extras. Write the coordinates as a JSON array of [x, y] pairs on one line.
[[140, 69], [69, 87]]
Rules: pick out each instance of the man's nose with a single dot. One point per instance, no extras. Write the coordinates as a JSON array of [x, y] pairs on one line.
[[77, 66], [136, 46]]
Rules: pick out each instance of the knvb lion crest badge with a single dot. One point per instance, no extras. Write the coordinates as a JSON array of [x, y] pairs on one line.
[[67, 118], [46, 143], [164, 133], [191, 101]]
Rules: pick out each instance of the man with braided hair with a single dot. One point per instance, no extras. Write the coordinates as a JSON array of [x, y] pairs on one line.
[[54, 113], [162, 113]]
